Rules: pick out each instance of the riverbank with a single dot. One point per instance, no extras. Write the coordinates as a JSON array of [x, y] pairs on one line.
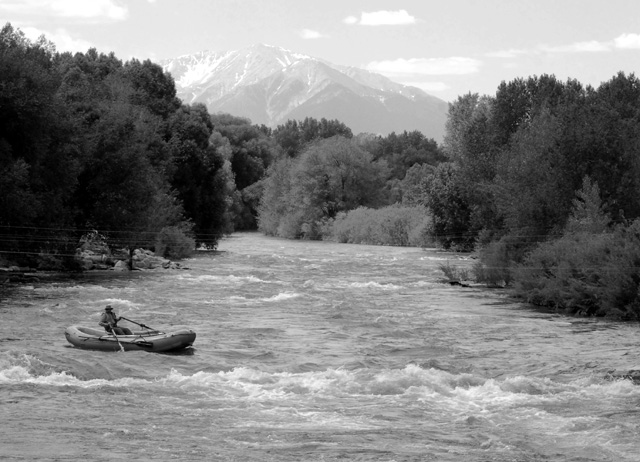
[[17, 274]]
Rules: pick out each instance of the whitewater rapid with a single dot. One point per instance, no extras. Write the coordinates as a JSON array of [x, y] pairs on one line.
[[313, 351]]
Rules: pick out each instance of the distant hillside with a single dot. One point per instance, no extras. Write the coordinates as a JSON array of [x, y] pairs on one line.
[[270, 85]]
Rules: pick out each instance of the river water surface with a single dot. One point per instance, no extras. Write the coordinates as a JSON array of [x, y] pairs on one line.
[[310, 351]]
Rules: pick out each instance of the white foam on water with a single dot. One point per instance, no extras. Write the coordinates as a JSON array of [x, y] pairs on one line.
[[18, 374], [119, 304], [549, 398], [282, 296], [460, 390], [225, 279], [374, 285], [27, 369], [244, 279], [426, 284], [62, 290], [275, 298], [341, 398]]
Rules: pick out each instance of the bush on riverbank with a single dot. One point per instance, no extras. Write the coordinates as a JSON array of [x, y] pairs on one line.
[[494, 265], [394, 225], [591, 269], [172, 242], [585, 274]]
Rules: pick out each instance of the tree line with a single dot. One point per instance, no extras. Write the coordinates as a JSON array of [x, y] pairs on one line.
[[88, 142], [94, 146], [542, 179]]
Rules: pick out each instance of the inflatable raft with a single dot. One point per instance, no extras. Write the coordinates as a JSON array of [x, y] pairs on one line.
[[150, 340]]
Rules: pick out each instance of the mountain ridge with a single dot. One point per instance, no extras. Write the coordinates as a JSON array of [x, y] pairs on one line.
[[270, 85]]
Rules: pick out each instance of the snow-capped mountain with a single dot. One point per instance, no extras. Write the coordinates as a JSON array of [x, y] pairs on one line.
[[270, 85]]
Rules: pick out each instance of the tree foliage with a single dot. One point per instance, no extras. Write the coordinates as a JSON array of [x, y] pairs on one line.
[[89, 142], [447, 199], [250, 150], [527, 175], [585, 273], [294, 136], [38, 162], [403, 151], [394, 225], [522, 154], [197, 172], [330, 176], [527, 189], [546, 182]]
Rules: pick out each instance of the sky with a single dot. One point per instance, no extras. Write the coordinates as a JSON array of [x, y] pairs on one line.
[[447, 47]]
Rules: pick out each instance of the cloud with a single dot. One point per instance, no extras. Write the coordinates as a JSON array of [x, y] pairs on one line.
[[411, 68], [311, 34], [627, 41], [382, 18], [578, 47], [77, 9], [60, 37], [510, 53], [624, 42]]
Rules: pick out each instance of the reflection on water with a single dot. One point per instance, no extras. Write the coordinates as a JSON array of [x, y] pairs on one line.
[[313, 351]]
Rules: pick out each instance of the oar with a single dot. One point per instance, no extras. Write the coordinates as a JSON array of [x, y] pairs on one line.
[[117, 339], [139, 324]]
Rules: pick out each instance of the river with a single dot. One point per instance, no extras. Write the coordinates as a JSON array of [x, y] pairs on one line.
[[312, 351]]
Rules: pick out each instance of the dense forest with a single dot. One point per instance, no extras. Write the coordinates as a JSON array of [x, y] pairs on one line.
[[542, 179], [93, 146]]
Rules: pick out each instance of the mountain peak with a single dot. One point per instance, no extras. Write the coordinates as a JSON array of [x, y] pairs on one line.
[[270, 84], [284, 56], [265, 46]]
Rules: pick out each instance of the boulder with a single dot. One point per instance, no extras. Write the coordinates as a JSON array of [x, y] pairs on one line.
[[86, 263], [94, 242], [625, 374], [142, 260], [90, 259], [121, 265], [146, 259]]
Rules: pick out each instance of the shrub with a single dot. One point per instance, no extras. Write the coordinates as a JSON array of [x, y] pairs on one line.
[[493, 267], [172, 242], [590, 270], [311, 230], [586, 274], [421, 233], [393, 225], [290, 225], [355, 227], [454, 273]]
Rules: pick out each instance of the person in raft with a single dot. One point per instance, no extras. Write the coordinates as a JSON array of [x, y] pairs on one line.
[[109, 321]]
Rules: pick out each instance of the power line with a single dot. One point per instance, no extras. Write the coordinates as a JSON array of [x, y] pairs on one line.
[[92, 230]]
